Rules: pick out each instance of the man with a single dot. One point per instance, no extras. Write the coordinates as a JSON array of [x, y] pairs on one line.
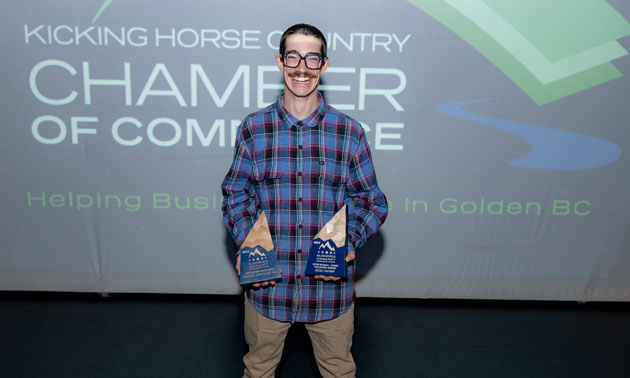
[[300, 161]]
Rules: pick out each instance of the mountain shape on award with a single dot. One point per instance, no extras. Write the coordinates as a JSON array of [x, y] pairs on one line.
[[326, 248], [256, 255]]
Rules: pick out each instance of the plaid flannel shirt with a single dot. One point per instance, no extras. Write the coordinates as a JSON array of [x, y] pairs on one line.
[[301, 172]]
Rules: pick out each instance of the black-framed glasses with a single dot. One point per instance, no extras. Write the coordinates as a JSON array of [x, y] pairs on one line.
[[313, 61]]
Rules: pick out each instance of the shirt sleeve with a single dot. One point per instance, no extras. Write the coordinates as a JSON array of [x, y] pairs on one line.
[[239, 197], [369, 204]]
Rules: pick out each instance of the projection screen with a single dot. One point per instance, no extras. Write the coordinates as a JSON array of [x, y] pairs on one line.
[[498, 131]]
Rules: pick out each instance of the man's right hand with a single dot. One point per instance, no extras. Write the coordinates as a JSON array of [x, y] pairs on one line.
[[257, 284]]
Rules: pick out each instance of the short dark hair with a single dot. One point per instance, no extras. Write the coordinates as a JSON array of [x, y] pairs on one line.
[[304, 29]]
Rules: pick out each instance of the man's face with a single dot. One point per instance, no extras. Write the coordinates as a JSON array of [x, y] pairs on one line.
[[302, 81]]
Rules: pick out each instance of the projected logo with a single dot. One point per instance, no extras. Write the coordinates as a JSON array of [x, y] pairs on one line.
[[550, 49]]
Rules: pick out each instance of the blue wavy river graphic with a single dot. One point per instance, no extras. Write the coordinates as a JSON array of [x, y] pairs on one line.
[[551, 149]]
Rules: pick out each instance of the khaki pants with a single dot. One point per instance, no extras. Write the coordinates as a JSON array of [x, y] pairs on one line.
[[331, 341]]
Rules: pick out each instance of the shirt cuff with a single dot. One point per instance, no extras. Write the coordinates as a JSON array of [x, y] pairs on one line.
[[350, 245]]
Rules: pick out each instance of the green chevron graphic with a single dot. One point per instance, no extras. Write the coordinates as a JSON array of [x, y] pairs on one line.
[[550, 49], [100, 10]]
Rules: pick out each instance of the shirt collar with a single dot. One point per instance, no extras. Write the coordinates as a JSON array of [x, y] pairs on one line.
[[312, 120]]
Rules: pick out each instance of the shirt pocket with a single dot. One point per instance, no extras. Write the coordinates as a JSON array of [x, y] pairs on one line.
[[333, 176], [333, 171], [270, 170], [271, 179]]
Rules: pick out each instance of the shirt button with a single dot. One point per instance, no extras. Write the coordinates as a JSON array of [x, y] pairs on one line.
[[299, 251], [299, 276], [299, 173], [300, 227], [300, 146], [299, 199]]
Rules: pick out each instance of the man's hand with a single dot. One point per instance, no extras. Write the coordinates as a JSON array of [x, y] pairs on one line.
[[257, 284], [349, 257]]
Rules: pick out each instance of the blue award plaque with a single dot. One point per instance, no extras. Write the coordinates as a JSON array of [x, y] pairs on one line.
[[327, 256], [258, 264], [327, 259], [258, 255]]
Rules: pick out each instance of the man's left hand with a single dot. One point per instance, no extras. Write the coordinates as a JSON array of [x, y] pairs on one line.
[[349, 257]]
